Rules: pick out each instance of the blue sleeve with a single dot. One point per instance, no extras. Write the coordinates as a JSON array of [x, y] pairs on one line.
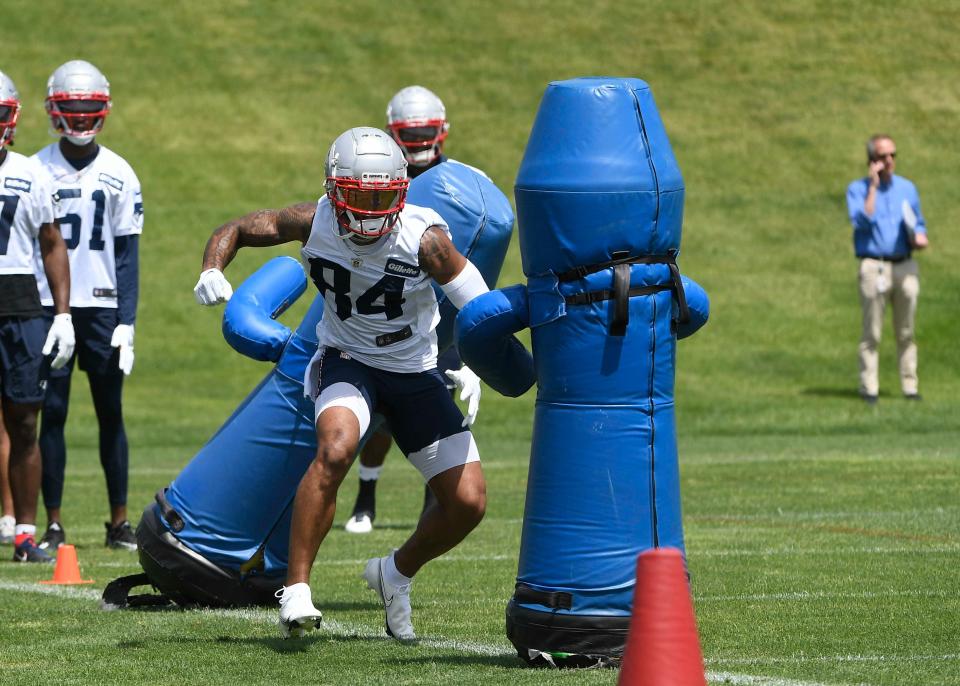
[[126, 250], [855, 200], [915, 203]]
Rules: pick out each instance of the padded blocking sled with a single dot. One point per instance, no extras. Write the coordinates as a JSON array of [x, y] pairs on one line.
[[599, 201]]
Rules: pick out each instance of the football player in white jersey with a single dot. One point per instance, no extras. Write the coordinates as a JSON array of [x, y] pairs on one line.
[[373, 258], [27, 221], [100, 212], [417, 121]]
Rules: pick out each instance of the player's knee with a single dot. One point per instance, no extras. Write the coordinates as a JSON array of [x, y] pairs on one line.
[[54, 411], [22, 429], [334, 457], [471, 504]]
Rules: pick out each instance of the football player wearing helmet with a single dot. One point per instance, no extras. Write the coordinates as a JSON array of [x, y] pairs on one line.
[[26, 226], [100, 212], [417, 121], [373, 257]]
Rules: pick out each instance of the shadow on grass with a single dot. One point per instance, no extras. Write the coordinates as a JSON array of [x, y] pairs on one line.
[[399, 526], [298, 645], [277, 644], [460, 660], [274, 643], [173, 607]]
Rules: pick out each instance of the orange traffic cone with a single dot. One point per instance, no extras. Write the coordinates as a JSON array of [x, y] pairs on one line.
[[67, 570], [662, 646]]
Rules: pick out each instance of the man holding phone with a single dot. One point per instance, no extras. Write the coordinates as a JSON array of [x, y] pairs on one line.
[[887, 227]]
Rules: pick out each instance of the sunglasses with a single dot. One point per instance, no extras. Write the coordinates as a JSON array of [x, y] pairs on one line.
[[892, 155]]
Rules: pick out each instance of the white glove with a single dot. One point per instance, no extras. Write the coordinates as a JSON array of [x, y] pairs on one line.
[[123, 339], [469, 385], [212, 288], [60, 335]]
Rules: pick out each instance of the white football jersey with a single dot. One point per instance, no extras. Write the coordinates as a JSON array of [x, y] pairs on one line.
[[379, 305], [26, 202], [93, 206]]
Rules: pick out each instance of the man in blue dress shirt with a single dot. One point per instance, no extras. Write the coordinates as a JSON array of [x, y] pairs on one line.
[[887, 227]]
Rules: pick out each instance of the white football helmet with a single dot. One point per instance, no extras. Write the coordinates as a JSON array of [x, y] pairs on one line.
[[366, 182], [9, 109], [78, 101], [417, 120]]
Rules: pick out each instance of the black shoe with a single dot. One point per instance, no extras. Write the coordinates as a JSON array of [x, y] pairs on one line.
[[29, 551], [913, 396], [869, 399], [120, 536], [53, 537]]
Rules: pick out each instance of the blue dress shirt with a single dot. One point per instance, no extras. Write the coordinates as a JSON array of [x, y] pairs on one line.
[[885, 233]]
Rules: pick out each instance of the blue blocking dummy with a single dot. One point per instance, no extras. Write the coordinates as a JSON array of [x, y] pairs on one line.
[[599, 201], [219, 533]]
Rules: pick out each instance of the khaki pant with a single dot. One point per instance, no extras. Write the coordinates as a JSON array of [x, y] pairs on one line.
[[882, 282]]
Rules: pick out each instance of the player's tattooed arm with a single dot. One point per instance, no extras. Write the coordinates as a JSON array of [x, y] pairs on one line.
[[438, 256], [258, 229]]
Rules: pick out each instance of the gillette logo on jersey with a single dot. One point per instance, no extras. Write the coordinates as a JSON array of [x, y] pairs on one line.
[[401, 269]]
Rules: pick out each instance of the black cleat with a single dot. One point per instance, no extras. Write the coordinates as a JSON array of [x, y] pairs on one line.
[[53, 537], [29, 551], [913, 396], [120, 536]]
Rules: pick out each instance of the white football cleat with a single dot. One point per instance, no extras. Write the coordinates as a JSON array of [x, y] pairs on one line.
[[395, 599], [7, 529], [297, 613], [359, 523]]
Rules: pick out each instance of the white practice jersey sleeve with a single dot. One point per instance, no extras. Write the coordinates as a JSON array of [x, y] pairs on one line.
[[25, 204], [93, 206], [379, 305]]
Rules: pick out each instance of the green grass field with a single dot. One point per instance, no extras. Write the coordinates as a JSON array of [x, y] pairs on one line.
[[823, 535]]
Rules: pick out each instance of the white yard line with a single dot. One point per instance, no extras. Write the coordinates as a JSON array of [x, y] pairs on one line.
[[76, 592]]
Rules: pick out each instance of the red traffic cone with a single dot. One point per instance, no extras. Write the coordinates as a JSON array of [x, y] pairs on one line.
[[662, 646], [67, 570]]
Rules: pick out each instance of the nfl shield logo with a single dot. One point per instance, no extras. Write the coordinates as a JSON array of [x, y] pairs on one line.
[[356, 262]]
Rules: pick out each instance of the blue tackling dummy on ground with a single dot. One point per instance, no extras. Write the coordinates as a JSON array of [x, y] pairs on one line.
[[219, 534], [599, 201]]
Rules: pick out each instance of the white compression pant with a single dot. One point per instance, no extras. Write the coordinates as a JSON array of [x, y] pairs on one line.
[[447, 453], [342, 394]]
